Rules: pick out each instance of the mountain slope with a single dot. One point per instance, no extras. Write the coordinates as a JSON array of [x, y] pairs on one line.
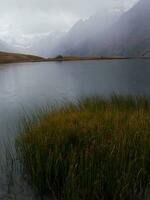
[[127, 36], [130, 36], [80, 37]]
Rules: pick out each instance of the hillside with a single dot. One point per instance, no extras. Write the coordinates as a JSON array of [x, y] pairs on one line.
[[81, 36], [128, 35], [14, 57], [107, 34]]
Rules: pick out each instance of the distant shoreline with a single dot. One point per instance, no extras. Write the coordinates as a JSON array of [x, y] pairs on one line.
[[82, 58], [6, 58]]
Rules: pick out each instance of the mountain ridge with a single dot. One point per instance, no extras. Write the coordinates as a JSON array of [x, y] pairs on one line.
[[129, 35]]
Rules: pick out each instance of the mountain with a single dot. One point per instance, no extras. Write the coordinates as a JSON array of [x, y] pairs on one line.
[[127, 35], [130, 36], [103, 34], [80, 37], [55, 43]]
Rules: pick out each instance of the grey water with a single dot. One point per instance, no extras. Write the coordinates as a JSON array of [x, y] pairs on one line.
[[24, 87], [28, 86]]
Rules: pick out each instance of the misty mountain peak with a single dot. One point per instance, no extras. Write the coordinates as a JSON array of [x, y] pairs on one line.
[[127, 35]]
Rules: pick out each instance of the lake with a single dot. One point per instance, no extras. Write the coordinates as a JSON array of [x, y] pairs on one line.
[[26, 86]]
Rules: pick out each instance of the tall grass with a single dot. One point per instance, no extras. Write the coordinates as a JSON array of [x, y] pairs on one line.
[[97, 149]]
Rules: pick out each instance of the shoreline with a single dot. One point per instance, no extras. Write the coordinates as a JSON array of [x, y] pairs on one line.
[[8, 58]]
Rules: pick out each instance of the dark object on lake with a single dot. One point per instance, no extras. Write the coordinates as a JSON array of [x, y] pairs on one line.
[[60, 57]]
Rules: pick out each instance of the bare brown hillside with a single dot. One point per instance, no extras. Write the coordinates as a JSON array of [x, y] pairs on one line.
[[15, 57]]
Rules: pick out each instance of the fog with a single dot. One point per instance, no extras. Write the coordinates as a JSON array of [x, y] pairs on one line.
[[24, 22]]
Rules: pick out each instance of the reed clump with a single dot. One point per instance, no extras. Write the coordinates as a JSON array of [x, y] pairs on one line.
[[96, 149]]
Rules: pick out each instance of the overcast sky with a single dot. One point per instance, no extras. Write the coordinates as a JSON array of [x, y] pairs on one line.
[[37, 17]]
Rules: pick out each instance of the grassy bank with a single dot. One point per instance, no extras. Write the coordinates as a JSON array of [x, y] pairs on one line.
[[6, 57], [97, 149]]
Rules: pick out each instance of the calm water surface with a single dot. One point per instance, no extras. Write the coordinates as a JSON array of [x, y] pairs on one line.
[[30, 85], [24, 87]]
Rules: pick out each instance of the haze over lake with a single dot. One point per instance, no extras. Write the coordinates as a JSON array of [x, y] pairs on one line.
[[31, 85]]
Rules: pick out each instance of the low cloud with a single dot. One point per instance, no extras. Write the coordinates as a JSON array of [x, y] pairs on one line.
[[31, 17]]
